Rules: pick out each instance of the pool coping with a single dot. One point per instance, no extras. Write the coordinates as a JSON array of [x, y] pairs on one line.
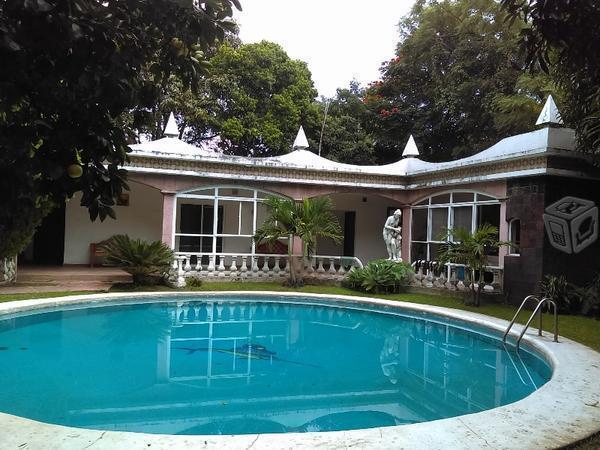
[[563, 411]]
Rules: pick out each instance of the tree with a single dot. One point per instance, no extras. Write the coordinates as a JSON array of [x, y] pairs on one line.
[[345, 135], [560, 37], [472, 250], [77, 78], [257, 99], [456, 83], [306, 220]]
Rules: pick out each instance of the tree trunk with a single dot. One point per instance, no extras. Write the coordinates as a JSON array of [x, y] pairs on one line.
[[479, 288], [292, 280], [8, 270]]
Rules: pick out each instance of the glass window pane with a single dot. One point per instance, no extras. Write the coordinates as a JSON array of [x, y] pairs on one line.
[[247, 218], [419, 225], [210, 192], [188, 244], [261, 194], [482, 197], [237, 245], [434, 249], [418, 251], [489, 214], [461, 197], [231, 211], [444, 198], [261, 214], [462, 217], [190, 219], [424, 202], [236, 192], [439, 223], [515, 236]]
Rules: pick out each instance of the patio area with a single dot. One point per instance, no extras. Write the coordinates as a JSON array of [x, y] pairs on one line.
[[31, 279]]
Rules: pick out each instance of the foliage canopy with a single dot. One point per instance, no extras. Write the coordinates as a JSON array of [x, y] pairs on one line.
[[71, 70], [456, 83], [561, 37]]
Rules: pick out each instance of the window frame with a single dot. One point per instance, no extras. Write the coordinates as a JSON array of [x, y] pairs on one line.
[[426, 203]]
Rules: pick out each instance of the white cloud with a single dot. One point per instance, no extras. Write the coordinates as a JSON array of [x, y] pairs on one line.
[[340, 40]]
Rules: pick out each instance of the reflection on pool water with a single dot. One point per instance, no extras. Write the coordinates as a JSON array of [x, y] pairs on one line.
[[234, 365]]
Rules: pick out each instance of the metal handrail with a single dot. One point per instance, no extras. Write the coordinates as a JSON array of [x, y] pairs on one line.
[[512, 322], [537, 309]]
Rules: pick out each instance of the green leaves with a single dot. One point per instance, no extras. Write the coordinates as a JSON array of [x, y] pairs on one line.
[[308, 220], [380, 276], [258, 98], [559, 38], [471, 250], [141, 259], [454, 58], [73, 82]]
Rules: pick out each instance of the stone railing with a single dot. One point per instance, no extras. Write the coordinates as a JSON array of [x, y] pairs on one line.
[[8, 270], [258, 267], [430, 274]]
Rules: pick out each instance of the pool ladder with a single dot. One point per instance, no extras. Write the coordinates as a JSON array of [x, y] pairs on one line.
[[537, 309]]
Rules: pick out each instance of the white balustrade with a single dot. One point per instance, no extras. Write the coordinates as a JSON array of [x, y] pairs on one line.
[[258, 266]]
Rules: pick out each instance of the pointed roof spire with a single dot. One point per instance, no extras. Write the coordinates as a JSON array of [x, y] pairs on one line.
[[171, 129], [411, 149], [300, 142], [550, 113]]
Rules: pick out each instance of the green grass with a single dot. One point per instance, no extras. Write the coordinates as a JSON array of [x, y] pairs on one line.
[[581, 329], [31, 295]]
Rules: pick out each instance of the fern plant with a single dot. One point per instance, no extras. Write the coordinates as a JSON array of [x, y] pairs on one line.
[[145, 261]]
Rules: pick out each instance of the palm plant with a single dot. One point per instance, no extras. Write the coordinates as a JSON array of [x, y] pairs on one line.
[[307, 220], [472, 250], [143, 260]]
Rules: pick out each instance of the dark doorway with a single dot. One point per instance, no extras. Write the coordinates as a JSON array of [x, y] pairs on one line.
[[48, 246], [349, 231]]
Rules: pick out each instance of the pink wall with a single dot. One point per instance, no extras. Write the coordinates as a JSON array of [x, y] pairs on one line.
[[171, 184], [168, 218]]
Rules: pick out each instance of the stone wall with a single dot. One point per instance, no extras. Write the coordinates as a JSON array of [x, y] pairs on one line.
[[527, 200], [522, 274], [578, 268]]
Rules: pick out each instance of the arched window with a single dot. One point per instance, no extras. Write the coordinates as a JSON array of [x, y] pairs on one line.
[[239, 211], [434, 215], [514, 236]]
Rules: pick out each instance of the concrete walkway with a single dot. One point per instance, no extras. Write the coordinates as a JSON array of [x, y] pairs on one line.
[[64, 278]]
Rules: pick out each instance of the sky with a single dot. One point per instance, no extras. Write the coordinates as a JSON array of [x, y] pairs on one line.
[[341, 40]]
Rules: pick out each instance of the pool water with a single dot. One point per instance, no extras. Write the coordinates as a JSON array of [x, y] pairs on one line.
[[235, 365]]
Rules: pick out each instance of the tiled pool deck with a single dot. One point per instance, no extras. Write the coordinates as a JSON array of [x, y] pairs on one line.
[[563, 411]]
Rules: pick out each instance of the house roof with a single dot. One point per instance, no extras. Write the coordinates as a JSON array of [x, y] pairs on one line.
[[548, 140]]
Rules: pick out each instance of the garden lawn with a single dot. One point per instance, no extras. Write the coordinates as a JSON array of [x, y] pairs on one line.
[[581, 329]]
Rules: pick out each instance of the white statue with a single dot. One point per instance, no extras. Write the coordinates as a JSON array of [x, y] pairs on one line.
[[392, 236]]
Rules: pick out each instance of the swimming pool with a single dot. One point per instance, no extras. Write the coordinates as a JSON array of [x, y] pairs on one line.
[[239, 364]]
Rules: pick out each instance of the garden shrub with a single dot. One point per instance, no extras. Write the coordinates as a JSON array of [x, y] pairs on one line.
[[566, 295], [147, 262], [590, 295], [380, 276]]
